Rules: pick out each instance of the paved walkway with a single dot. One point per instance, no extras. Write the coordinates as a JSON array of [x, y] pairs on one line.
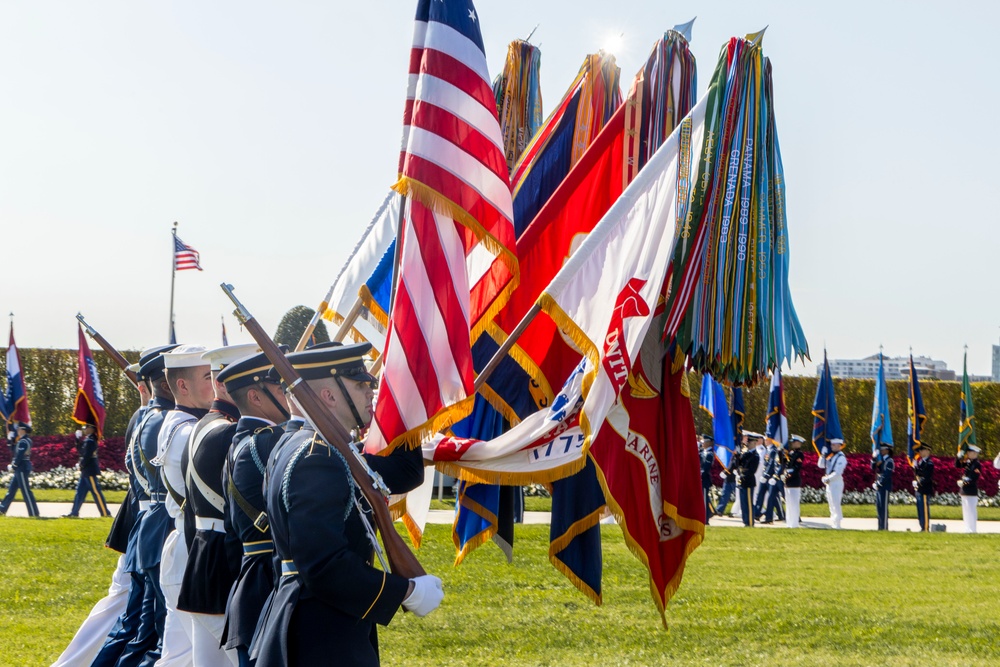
[[53, 510]]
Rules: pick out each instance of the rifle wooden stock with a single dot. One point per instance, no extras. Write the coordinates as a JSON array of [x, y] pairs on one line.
[[401, 559], [109, 349]]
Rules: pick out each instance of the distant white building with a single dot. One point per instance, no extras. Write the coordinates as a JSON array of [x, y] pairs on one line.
[[896, 368], [996, 363]]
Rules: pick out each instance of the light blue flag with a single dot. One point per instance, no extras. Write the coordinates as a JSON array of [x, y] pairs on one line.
[[713, 401], [881, 426]]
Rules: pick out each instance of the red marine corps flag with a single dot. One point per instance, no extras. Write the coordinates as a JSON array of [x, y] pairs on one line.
[[89, 405], [455, 266]]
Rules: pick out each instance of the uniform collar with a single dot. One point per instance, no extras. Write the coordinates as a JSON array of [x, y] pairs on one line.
[[225, 408], [194, 412], [161, 403]]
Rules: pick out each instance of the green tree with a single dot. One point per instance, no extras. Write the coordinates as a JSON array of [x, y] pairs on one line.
[[294, 323]]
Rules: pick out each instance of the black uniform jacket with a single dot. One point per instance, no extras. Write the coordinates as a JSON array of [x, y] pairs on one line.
[[245, 466], [923, 470], [793, 469], [213, 561], [89, 466], [332, 598], [973, 468], [707, 459], [748, 469]]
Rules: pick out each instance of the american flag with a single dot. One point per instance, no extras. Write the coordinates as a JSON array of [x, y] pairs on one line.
[[185, 257], [456, 264]]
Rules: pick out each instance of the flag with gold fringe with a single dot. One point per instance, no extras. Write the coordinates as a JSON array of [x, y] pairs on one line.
[[967, 412]]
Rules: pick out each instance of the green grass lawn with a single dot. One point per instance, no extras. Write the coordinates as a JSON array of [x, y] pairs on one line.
[[748, 598], [67, 495]]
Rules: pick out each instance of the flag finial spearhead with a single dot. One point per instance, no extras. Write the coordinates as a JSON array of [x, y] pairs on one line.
[[241, 312]]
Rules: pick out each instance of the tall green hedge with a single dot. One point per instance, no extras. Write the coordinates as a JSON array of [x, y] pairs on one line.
[[50, 377], [854, 403]]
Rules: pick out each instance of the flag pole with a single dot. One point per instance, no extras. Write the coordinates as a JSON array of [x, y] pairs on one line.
[[173, 276], [397, 255], [314, 320], [507, 344], [349, 320]]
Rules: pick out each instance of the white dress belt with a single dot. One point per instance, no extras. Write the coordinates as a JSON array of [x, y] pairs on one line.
[[204, 523]]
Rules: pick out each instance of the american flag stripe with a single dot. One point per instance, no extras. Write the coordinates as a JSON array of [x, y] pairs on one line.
[[185, 257], [454, 173]]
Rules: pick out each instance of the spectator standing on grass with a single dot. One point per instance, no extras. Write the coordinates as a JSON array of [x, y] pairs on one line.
[[90, 468], [968, 485], [793, 480], [834, 479], [883, 466], [923, 485], [20, 465]]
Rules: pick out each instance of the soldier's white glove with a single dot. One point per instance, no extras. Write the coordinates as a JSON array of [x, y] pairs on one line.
[[825, 479], [426, 596], [10, 467], [79, 434], [772, 482], [826, 450], [11, 435], [914, 482], [875, 486], [722, 476]]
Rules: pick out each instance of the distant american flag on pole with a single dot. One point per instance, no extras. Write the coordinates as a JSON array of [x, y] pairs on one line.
[[456, 265], [185, 257]]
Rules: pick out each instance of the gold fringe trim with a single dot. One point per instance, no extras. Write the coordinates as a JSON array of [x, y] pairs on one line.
[[443, 419], [697, 528], [438, 203], [338, 319], [575, 530], [369, 302], [522, 359], [508, 478], [413, 530], [480, 538]]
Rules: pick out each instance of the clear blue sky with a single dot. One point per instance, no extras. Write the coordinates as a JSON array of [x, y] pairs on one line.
[[270, 131]]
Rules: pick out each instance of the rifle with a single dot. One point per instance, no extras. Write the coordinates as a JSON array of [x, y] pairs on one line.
[[115, 355], [401, 559]]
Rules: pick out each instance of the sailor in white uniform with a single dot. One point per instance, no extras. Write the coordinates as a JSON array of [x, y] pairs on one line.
[[834, 479]]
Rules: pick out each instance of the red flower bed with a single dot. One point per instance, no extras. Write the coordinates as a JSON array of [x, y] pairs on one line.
[[859, 475], [52, 451]]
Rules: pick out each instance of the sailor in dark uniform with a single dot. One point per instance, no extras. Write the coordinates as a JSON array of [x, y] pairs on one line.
[[90, 468], [209, 571], [329, 597], [20, 465], [968, 486], [144, 645], [792, 475], [923, 486], [262, 404], [707, 455], [883, 466], [747, 471]]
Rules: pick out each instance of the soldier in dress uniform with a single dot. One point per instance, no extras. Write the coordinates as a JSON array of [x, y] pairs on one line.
[[774, 469], [144, 647], [256, 390], [707, 455], [190, 379], [212, 560], [760, 491], [793, 479], [748, 464], [968, 486], [90, 468], [329, 596], [20, 465], [834, 479], [883, 466], [114, 618], [923, 485]]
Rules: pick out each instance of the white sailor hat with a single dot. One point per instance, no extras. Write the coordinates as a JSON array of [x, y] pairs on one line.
[[185, 356], [836, 441], [974, 448], [797, 438], [753, 435], [221, 357]]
